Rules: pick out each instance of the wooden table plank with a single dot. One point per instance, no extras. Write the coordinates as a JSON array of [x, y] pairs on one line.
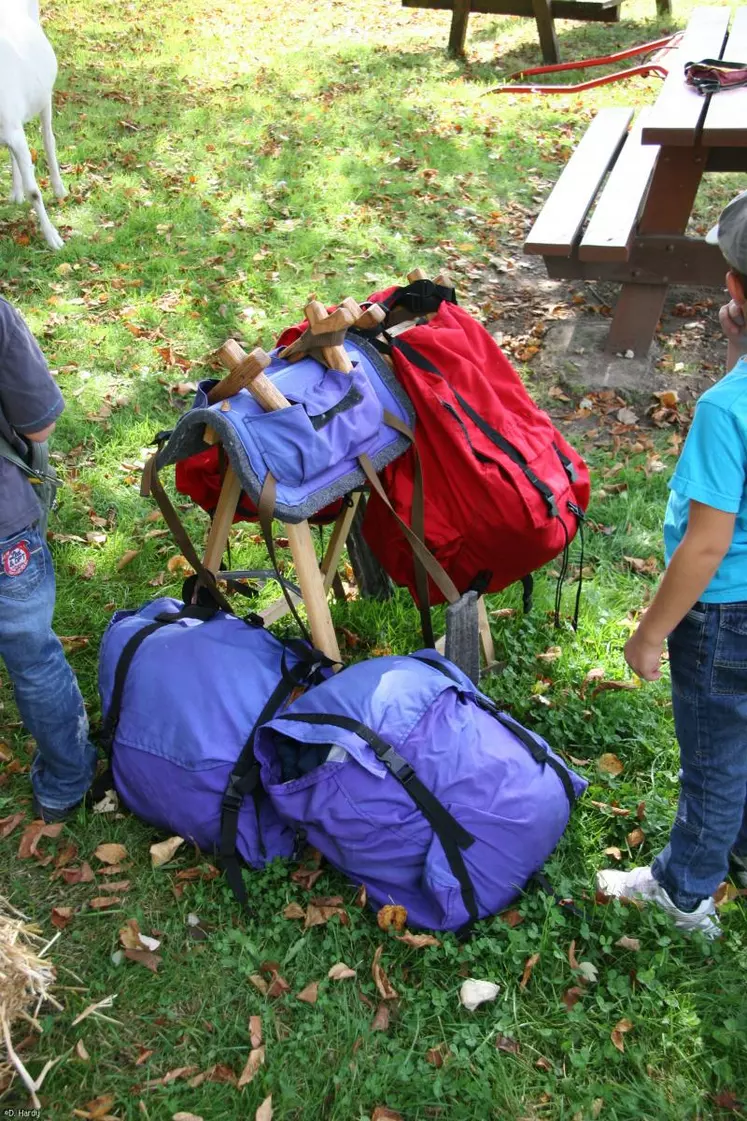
[[563, 214], [679, 109], [726, 118], [610, 232]]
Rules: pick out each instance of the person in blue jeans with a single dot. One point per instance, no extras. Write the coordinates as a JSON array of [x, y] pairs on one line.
[[45, 689], [701, 609]]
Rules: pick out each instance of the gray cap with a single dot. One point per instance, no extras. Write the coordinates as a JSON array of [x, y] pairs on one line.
[[731, 233]]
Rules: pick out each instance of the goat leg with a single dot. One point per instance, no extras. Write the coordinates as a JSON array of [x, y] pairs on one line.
[[19, 148], [50, 148]]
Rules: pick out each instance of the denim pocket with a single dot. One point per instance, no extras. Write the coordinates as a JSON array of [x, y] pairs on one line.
[[729, 676], [22, 566]]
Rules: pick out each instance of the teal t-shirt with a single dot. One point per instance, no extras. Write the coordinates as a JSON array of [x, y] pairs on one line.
[[712, 469]]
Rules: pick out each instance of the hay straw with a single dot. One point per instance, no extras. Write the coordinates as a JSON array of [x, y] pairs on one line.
[[25, 980]]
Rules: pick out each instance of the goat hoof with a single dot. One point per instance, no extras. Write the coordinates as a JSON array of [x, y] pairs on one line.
[[53, 239]]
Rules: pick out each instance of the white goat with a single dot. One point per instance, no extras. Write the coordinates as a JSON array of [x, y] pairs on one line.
[[28, 70]]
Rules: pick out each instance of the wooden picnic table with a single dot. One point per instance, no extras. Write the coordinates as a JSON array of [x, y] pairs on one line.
[[637, 232]]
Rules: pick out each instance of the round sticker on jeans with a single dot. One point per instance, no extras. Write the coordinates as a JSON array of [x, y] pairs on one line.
[[16, 560]]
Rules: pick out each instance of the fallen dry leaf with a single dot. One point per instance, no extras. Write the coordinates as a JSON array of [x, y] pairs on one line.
[[255, 1030], [507, 1044], [253, 1063], [572, 995], [528, 967], [101, 902], [264, 1112], [361, 897], [668, 398], [164, 851], [386, 989], [173, 1076], [437, 1056], [609, 764], [147, 958], [81, 874], [8, 824], [97, 1109], [129, 935], [259, 983], [277, 986], [615, 686], [111, 853], [392, 916], [185, 1117], [310, 994], [380, 1021], [321, 910], [636, 837], [119, 885], [417, 941], [614, 852], [61, 916], [588, 972], [143, 1057], [648, 567], [340, 972], [33, 834], [617, 1033], [80, 1051], [113, 870], [618, 811], [383, 1113], [572, 959], [66, 855], [294, 911], [627, 416], [626, 943], [543, 1064], [126, 558], [306, 877], [512, 917]]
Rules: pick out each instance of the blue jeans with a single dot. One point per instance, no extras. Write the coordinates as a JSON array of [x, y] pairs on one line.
[[708, 659], [44, 685]]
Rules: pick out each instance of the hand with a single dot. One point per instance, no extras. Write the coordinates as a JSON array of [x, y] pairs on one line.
[[732, 319], [643, 656]]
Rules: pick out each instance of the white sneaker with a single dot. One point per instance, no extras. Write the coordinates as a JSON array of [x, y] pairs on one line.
[[739, 869], [639, 883]]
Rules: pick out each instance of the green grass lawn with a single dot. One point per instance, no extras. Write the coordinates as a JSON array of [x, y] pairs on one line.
[[224, 162]]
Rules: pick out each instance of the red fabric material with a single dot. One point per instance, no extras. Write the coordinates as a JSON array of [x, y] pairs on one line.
[[479, 516], [200, 478]]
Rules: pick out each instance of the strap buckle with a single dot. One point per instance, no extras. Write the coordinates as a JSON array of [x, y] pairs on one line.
[[233, 797], [398, 766]]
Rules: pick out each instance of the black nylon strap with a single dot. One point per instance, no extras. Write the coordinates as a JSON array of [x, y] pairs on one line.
[[421, 297], [487, 429], [453, 836], [244, 779]]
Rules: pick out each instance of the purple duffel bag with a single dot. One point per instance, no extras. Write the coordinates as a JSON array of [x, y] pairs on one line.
[[412, 782], [182, 690]]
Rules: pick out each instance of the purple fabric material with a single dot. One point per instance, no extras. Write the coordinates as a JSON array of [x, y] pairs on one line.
[[193, 693], [312, 448], [365, 822]]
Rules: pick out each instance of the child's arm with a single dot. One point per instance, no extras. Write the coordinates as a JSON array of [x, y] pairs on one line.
[[693, 565], [29, 397], [734, 325]]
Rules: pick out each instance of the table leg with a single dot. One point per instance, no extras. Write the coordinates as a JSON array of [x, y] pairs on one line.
[[546, 30], [458, 34], [666, 210]]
